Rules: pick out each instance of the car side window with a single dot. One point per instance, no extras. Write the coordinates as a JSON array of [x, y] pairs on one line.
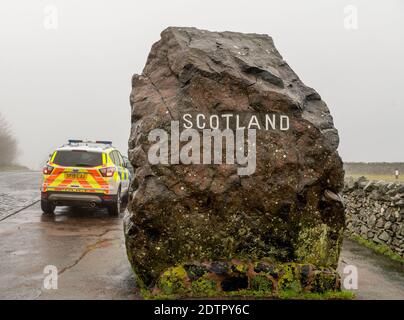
[[113, 157], [120, 159]]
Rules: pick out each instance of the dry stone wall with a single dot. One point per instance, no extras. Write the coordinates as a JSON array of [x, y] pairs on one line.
[[375, 212]]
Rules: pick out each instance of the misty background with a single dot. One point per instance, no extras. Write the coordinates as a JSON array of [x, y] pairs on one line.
[[74, 81]]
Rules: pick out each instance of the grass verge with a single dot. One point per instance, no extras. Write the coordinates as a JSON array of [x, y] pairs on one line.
[[379, 248], [250, 294]]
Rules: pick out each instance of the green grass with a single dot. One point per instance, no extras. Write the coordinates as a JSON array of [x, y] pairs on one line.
[[250, 294], [377, 177], [328, 295], [379, 248]]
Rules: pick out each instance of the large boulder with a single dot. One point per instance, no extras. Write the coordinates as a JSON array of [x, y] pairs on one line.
[[287, 209]]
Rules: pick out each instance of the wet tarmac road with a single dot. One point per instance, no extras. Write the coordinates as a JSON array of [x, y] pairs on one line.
[[87, 247], [379, 277], [17, 190]]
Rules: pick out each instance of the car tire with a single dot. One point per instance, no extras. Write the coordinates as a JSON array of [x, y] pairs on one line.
[[47, 207], [115, 208]]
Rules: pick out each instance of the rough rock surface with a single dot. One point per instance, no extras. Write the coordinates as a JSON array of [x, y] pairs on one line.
[[288, 210]]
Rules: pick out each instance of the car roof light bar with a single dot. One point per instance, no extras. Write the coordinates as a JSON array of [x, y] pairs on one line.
[[74, 141]]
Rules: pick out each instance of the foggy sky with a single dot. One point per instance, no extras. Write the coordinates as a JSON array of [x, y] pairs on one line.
[[74, 82]]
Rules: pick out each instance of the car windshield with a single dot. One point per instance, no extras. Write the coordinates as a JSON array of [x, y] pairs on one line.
[[78, 158]]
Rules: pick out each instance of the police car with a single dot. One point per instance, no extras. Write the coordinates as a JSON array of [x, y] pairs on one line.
[[85, 173]]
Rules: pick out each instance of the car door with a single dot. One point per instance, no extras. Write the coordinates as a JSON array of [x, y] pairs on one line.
[[123, 171]]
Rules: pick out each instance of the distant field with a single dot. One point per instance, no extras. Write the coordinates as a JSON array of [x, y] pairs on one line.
[[13, 168], [375, 170], [377, 177]]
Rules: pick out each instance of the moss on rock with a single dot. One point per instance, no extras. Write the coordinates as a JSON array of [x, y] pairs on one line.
[[246, 278], [325, 281], [204, 287], [289, 278], [173, 281], [261, 283]]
